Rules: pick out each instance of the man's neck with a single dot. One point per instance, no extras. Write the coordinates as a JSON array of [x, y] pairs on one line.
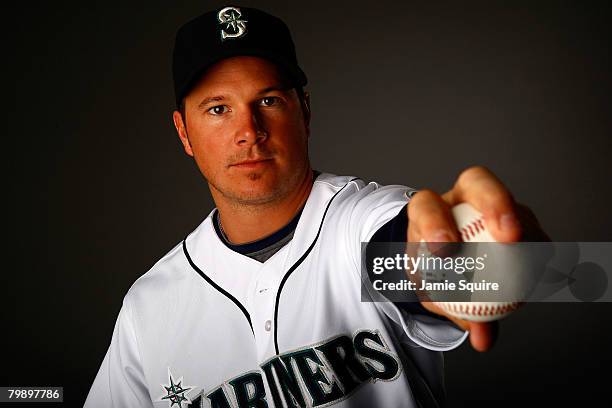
[[242, 224]]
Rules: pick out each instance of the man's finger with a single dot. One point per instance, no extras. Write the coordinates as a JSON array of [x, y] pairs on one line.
[[430, 219], [485, 192], [483, 335]]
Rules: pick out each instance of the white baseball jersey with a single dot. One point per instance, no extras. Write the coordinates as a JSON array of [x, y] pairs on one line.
[[207, 326]]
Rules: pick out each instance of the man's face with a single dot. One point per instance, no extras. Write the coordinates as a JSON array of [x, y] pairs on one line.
[[247, 132]]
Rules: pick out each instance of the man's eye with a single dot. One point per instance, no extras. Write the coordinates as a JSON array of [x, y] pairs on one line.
[[218, 110], [269, 101]]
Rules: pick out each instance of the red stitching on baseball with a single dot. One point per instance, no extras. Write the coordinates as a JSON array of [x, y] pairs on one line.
[[481, 310], [472, 229], [481, 223]]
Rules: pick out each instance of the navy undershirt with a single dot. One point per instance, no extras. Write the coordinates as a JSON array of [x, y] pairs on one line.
[[263, 248]]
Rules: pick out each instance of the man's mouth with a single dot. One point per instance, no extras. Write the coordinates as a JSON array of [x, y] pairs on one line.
[[251, 163]]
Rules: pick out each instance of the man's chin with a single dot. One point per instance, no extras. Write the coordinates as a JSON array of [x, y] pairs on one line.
[[256, 198], [257, 192]]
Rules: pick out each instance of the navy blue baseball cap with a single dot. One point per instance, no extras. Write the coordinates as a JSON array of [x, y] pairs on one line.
[[229, 32]]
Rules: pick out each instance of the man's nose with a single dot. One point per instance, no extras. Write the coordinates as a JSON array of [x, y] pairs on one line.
[[250, 130]]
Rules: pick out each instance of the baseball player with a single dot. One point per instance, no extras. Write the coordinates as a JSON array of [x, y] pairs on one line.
[[261, 305]]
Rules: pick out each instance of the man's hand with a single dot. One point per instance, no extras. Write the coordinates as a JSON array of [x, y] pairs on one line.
[[430, 219]]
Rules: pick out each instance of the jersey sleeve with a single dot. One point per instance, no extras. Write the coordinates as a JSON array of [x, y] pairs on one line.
[[378, 214], [120, 381]]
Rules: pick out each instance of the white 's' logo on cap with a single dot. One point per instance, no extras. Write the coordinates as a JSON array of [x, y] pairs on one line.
[[230, 20]]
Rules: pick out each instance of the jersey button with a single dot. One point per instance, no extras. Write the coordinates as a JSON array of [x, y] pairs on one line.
[[268, 325]]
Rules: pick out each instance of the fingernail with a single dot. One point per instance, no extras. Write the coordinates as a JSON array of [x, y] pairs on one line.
[[508, 222]]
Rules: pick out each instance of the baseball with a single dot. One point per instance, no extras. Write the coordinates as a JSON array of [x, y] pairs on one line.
[[505, 265]]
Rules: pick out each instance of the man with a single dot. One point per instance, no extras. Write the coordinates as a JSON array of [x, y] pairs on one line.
[[261, 304]]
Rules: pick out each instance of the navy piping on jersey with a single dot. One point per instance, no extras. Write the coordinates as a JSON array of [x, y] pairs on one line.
[[214, 285], [295, 265]]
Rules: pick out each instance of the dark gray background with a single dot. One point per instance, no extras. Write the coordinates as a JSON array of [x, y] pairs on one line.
[[98, 189]]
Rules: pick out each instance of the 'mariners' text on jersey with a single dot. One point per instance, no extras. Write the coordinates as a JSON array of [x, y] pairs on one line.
[[312, 376]]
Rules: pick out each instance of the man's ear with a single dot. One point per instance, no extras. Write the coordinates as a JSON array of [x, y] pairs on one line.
[[181, 129]]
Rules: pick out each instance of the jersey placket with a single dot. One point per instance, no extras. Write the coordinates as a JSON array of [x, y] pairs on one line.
[[261, 299]]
